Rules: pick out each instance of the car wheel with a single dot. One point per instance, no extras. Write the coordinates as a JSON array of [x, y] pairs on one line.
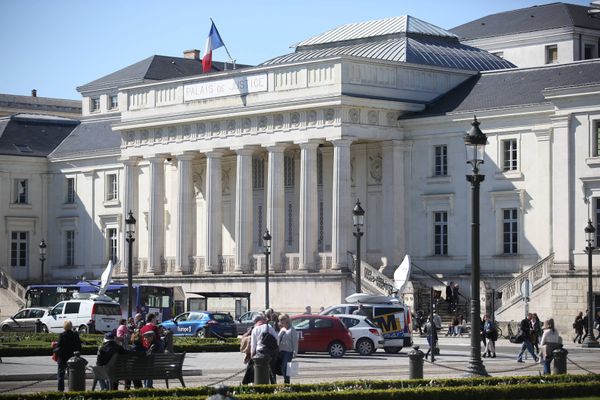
[[5, 328], [392, 350], [336, 350], [365, 347], [202, 333], [83, 329]]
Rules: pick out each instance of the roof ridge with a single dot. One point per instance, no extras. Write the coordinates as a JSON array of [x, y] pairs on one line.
[[537, 67]]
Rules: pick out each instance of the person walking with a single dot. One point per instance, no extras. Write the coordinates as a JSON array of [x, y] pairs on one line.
[[536, 332], [491, 333], [288, 344], [525, 335], [258, 339], [455, 296], [551, 340], [597, 324], [584, 322], [578, 327], [68, 343], [449, 296]]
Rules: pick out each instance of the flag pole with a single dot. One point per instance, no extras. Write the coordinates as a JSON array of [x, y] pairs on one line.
[[226, 49]]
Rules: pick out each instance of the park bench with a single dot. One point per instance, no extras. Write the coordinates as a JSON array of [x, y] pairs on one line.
[[132, 366]]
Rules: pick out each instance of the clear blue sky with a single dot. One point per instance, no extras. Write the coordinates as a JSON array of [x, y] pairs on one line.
[[56, 45]]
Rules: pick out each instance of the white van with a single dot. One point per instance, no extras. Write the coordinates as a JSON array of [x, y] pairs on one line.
[[392, 317], [101, 311]]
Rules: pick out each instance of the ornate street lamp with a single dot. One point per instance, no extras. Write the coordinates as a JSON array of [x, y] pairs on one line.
[[590, 341], [358, 217], [267, 252], [130, 230], [475, 142], [43, 247]]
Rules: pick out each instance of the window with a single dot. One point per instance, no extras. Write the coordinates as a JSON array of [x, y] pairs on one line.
[[23, 148], [70, 248], [112, 187], [70, 195], [509, 231], [112, 241], [589, 52], [441, 160], [113, 102], [72, 307], [21, 195], [288, 170], [509, 151], [596, 139], [95, 104], [258, 173], [551, 54], [19, 244], [440, 233]]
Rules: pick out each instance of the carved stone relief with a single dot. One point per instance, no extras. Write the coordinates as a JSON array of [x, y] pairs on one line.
[[375, 168], [329, 115], [373, 117], [354, 115], [246, 124], [186, 131], [262, 123], [198, 179], [172, 133], [231, 126], [201, 129], [311, 117], [391, 118], [215, 129], [295, 119], [225, 189], [144, 136], [278, 121]]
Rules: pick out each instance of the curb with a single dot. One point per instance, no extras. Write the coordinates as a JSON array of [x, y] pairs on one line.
[[88, 375]]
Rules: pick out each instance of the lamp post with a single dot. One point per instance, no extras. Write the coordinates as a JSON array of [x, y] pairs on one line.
[[590, 341], [358, 217], [475, 142], [267, 252], [43, 247], [130, 230]]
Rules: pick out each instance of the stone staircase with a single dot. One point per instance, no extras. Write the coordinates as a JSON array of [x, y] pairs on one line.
[[12, 295]]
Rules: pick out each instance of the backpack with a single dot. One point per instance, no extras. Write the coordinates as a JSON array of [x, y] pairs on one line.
[[54, 347], [269, 343]]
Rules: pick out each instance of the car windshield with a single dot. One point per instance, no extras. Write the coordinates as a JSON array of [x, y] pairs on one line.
[[195, 316], [222, 318], [301, 323]]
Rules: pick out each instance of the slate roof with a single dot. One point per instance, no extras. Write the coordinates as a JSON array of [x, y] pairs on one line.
[[381, 27], [154, 68], [92, 137], [512, 88], [38, 105], [400, 39], [33, 135], [536, 18]]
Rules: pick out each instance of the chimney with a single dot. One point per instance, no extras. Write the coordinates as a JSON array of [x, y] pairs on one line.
[[33, 93], [192, 54]]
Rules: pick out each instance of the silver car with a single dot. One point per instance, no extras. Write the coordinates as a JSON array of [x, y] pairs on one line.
[[24, 320]]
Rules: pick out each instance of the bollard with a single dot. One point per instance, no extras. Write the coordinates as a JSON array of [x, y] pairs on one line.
[[38, 326], [559, 364], [415, 363], [76, 366], [262, 370]]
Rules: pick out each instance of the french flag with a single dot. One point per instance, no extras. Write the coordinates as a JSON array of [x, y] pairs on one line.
[[213, 42]]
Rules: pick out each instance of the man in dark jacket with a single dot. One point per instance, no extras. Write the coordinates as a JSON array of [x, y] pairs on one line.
[[525, 334], [68, 343], [108, 349]]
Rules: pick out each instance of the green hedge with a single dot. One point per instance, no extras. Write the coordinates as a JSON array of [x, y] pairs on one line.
[[38, 344], [527, 387]]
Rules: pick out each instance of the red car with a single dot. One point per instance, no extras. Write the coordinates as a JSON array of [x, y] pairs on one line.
[[322, 333]]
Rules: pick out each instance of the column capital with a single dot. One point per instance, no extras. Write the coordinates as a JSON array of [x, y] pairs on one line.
[[346, 141], [133, 161], [186, 155], [403, 145], [244, 151], [310, 144], [157, 157], [214, 153], [275, 148]]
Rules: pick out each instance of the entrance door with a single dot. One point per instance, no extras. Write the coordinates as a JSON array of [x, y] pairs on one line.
[[19, 255]]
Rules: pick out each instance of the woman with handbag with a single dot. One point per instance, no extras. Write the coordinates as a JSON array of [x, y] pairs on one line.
[[491, 334], [551, 341], [288, 345]]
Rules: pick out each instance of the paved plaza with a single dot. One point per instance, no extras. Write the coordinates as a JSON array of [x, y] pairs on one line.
[[34, 374]]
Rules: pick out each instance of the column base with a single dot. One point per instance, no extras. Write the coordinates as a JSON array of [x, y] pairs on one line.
[[475, 369], [589, 342], [305, 269]]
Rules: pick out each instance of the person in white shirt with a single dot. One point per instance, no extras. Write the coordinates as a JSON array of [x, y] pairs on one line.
[[288, 344], [257, 347], [551, 341]]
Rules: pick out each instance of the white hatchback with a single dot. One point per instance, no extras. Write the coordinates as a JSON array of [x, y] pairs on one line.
[[367, 337]]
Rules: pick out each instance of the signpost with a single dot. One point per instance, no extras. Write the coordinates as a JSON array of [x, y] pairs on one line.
[[526, 290]]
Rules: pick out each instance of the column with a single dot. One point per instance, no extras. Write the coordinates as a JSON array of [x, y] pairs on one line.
[[156, 214], [276, 204], [184, 213], [308, 205], [562, 209], [129, 185], [214, 223], [394, 240], [341, 210], [243, 210]]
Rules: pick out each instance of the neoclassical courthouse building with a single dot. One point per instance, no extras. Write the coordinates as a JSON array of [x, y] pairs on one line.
[[375, 111]]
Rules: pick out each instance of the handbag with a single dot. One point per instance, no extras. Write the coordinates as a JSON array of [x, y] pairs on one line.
[[292, 368]]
